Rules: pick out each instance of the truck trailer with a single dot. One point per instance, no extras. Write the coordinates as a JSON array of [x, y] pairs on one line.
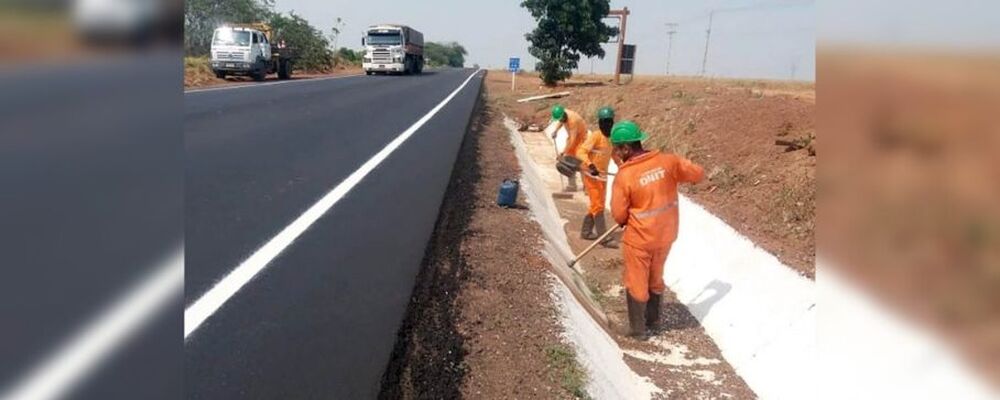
[[393, 49]]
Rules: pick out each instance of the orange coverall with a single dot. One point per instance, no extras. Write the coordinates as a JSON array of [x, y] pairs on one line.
[[595, 150], [576, 127], [644, 198]]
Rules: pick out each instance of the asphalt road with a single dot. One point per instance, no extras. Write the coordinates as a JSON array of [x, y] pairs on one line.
[[90, 202], [321, 319]]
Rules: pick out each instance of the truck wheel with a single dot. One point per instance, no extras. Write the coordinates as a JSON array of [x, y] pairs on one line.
[[368, 73], [220, 74], [284, 70], [257, 76]]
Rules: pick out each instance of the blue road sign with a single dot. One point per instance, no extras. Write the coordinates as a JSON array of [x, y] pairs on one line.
[[515, 64]]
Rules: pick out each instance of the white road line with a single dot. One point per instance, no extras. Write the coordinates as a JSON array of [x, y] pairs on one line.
[[81, 355], [251, 85], [215, 297]]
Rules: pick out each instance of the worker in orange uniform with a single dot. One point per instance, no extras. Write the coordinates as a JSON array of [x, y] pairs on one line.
[[595, 155], [576, 127], [644, 200]]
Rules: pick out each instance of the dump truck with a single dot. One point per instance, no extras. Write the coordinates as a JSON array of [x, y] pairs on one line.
[[251, 50], [393, 48]]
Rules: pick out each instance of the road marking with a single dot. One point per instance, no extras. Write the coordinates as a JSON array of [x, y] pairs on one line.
[[82, 354], [214, 298], [250, 85]]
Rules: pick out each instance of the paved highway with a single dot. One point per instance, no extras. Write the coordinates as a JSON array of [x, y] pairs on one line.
[[308, 205], [90, 204]]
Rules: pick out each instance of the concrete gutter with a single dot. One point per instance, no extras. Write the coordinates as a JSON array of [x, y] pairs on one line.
[[583, 321]]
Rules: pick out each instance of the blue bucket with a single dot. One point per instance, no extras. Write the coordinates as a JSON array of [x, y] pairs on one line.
[[508, 193]]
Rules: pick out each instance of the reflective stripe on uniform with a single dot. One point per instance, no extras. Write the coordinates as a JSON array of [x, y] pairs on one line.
[[655, 211]]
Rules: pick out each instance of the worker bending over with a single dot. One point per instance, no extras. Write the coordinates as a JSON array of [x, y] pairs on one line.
[[595, 156], [644, 200], [576, 127]]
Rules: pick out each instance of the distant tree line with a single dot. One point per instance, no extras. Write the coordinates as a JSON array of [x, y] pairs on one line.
[[444, 54]]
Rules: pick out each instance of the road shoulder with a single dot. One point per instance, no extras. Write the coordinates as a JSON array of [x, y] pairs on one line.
[[481, 322]]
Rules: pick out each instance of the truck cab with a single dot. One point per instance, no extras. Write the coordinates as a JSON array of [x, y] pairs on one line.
[[393, 49], [248, 51]]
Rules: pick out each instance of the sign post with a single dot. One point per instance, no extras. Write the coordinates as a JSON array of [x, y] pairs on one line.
[[513, 65]]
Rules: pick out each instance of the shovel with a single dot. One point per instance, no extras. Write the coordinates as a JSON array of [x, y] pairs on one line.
[[592, 245]]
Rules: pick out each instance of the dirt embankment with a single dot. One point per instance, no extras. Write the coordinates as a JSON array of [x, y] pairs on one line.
[[198, 74], [730, 127], [481, 322]]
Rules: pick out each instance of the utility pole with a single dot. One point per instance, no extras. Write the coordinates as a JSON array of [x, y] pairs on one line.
[[708, 36], [623, 15], [671, 30]]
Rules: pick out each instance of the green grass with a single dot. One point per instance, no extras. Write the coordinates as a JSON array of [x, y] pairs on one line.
[[572, 378]]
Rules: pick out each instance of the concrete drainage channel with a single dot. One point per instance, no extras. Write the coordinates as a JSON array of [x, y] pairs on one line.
[[759, 312], [581, 317]]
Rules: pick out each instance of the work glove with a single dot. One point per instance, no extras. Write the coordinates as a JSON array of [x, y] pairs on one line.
[[593, 170]]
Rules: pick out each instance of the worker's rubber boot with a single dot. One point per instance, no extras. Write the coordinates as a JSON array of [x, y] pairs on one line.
[[600, 227], [653, 314], [636, 318], [571, 183], [587, 228]]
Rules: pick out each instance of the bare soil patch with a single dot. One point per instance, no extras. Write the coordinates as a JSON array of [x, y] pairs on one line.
[[481, 322], [728, 126]]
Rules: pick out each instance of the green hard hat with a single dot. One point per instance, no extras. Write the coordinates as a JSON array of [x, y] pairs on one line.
[[558, 112], [606, 112], [625, 132]]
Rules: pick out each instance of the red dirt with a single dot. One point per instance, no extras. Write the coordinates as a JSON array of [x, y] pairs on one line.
[[911, 188], [727, 126], [198, 75]]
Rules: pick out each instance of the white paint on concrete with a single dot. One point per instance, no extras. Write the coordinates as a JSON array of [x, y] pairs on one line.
[[672, 354], [868, 353], [221, 292], [602, 358], [759, 312], [598, 353]]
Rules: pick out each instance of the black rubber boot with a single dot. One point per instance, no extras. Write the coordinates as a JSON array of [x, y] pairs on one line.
[[653, 313], [587, 228], [600, 227], [636, 318]]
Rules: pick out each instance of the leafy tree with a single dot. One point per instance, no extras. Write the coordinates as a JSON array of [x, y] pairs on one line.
[[348, 56], [448, 54], [313, 49], [566, 29]]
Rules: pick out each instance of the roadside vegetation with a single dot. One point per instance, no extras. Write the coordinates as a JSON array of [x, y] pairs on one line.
[[444, 54], [201, 17], [562, 360], [565, 31]]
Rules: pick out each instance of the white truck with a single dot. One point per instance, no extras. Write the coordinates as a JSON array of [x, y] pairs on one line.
[[393, 49], [249, 50]]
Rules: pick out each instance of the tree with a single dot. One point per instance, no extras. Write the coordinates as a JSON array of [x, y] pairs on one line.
[[313, 49], [335, 32], [566, 29], [444, 54], [348, 57]]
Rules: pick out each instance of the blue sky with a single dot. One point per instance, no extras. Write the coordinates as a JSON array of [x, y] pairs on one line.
[[750, 38]]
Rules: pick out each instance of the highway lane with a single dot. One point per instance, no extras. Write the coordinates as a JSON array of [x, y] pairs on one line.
[[321, 319], [90, 201]]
